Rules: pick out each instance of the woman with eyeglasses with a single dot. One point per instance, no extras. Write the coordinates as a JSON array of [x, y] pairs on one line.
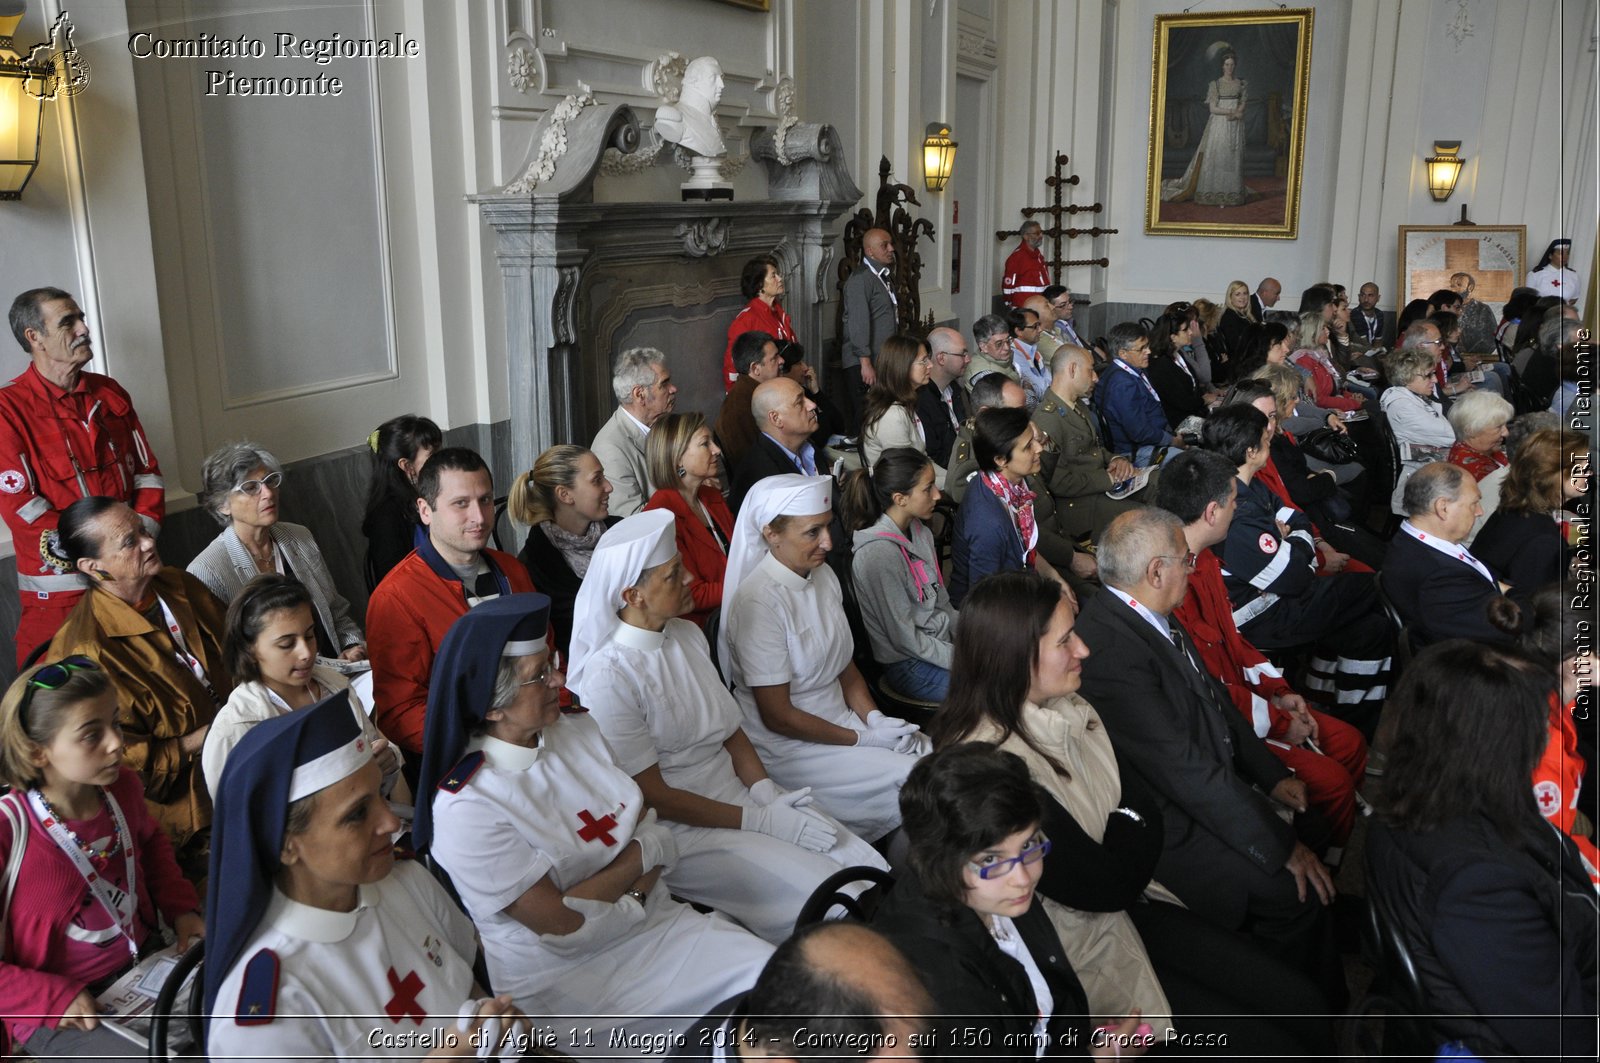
[[553, 848], [242, 488], [1416, 416], [94, 871], [890, 420], [966, 912], [1015, 681], [157, 631]]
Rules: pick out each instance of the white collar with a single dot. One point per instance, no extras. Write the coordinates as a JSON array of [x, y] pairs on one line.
[[638, 638], [644, 429], [1152, 618], [783, 574], [316, 924], [1448, 549], [506, 756]]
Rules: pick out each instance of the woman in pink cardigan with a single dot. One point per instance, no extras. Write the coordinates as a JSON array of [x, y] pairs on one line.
[[93, 870]]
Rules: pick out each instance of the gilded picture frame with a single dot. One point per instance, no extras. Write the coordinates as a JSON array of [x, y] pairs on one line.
[[1427, 256], [1227, 142]]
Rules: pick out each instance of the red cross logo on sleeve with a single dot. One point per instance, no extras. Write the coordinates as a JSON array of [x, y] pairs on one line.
[[403, 1005], [597, 828], [1548, 795]]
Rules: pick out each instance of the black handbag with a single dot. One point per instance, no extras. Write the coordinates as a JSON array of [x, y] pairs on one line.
[[1330, 446]]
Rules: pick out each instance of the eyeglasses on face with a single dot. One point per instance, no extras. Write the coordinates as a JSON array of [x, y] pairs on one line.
[[253, 487], [1189, 559], [550, 671], [999, 867]]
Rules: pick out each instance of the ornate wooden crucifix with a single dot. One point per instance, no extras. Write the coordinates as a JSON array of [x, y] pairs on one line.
[[1056, 183]]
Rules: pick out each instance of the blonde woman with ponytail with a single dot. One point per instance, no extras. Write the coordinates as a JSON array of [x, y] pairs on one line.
[[563, 500]]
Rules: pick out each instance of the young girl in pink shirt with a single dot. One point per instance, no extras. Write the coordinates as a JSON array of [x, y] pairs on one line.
[[87, 877]]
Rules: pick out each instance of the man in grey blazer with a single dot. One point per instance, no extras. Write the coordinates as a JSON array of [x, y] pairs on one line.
[[869, 319], [645, 391]]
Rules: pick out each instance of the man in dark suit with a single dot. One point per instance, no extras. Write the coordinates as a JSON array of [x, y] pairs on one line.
[[1439, 589], [870, 317], [1228, 855], [757, 360], [1265, 297], [786, 419]]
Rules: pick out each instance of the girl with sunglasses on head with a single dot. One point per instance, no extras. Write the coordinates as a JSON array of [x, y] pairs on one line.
[[95, 876]]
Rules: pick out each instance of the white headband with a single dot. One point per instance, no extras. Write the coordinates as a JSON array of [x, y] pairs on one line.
[[332, 766]]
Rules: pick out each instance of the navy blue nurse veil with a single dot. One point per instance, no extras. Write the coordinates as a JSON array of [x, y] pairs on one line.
[[251, 805], [462, 687]]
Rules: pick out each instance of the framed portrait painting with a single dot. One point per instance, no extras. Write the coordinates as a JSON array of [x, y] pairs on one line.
[[1431, 257], [1228, 123]]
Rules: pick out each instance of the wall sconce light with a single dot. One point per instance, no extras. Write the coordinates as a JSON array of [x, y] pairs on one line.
[[938, 156], [1444, 166], [47, 71]]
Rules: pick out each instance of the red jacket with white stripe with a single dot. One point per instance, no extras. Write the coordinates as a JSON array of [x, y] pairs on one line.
[[57, 447], [1251, 679], [1026, 275]]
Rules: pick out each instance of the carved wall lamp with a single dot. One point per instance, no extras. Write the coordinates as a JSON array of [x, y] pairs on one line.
[[26, 82], [1444, 167], [938, 156]]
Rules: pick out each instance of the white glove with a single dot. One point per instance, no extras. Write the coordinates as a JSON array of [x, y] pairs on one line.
[[602, 924], [517, 1034], [884, 732], [915, 744], [766, 791], [657, 846], [788, 820]]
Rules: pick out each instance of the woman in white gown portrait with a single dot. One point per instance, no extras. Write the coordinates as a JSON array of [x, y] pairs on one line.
[[1215, 176]]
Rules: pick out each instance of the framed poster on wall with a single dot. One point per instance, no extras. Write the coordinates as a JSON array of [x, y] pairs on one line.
[[1228, 93], [1430, 256]]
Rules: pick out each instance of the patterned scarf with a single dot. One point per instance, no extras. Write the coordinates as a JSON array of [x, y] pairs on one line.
[[576, 549], [1019, 501]]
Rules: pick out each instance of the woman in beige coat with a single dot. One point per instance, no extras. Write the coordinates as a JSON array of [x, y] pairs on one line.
[[1015, 673]]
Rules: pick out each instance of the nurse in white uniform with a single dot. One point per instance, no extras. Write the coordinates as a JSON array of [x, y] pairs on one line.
[[786, 646], [1552, 277], [746, 846], [552, 850], [319, 945]]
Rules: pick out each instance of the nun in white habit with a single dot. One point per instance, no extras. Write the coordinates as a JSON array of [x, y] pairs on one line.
[[785, 645], [746, 846]]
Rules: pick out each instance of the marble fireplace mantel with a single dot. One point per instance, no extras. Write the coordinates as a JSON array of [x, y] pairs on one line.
[[585, 279]]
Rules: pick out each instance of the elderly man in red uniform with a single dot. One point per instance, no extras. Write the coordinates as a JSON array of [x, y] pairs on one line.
[[1325, 753], [1026, 273], [64, 435]]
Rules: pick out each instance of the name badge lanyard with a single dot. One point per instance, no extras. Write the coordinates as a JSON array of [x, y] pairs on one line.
[[181, 649], [97, 884], [1140, 377]]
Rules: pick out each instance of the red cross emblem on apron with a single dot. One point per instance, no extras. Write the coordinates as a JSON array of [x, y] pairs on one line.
[[403, 1005], [597, 828]]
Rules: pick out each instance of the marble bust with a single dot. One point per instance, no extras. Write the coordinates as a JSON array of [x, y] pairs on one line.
[[691, 123]]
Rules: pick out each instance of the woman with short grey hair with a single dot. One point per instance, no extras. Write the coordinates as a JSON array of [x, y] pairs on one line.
[[241, 486], [1479, 420]]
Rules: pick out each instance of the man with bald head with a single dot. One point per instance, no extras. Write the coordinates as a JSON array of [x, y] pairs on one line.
[[1226, 854], [1265, 296], [1078, 470], [943, 404], [829, 989], [785, 419], [870, 317], [1026, 273]]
